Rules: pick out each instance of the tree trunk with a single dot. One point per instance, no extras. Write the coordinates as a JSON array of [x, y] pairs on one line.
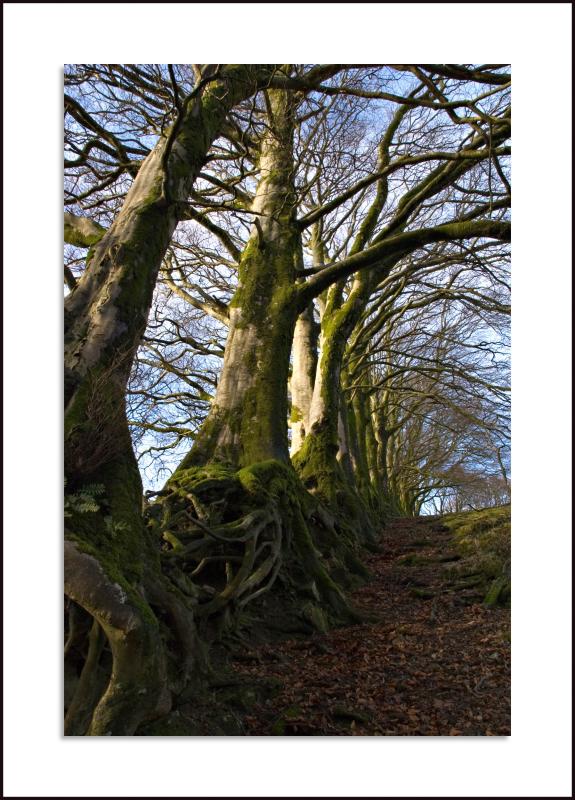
[[324, 460], [244, 439], [304, 364], [248, 419], [105, 316], [317, 460], [360, 433]]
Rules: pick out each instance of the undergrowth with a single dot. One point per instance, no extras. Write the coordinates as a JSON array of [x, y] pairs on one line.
[[483, 539]]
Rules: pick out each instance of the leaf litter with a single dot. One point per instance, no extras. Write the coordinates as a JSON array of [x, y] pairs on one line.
[[436, 663]]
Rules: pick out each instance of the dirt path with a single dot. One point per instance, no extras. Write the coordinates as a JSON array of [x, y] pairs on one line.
[[438, 664]]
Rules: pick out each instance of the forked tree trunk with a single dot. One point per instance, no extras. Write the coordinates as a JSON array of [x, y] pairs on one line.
[[324, 461]]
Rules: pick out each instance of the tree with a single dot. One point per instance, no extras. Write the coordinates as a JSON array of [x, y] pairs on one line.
[[285, 152], [432, 361], [105, 318]]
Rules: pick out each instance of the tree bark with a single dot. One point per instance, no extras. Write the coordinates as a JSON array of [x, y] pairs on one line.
[[304, 364], [248, 419], [105, 317], [107, 313]]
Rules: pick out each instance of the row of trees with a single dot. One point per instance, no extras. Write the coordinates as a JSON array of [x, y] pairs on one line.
[[296, 284]]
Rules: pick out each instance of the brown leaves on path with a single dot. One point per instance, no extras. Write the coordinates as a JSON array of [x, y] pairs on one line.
[[438, 663]]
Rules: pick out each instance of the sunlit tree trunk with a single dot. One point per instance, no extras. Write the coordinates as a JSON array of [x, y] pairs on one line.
[[248, 419], [317, 458], [109, 565], [304, 363], [324, 459], [106, 314], [247, 424]]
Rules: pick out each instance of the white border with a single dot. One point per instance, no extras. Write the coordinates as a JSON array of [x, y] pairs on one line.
[[38, 40]]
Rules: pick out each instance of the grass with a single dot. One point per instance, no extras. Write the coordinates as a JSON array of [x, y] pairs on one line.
[[483, 539]]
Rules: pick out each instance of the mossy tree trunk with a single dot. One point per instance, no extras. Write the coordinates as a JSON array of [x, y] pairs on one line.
[[328, 433], [362, 437], [317, 458], [111, 569], [248, 419], [325, 461], [246, 430]]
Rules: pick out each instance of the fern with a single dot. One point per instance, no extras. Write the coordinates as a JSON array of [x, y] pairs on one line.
[[83, 501], [114, 528]]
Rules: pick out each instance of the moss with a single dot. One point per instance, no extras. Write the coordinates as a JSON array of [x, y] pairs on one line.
[[276, 484], [115, 535], [251, 360], [316, 616], [204, 445], [423, 594], [321, 473], [254, 429], [76, 414], [412, 560], [483, 539], [316, 461], [141, 258], [82, 239], [473, 522], [90, 255], [268, 479], [496, 590], [201, 478], [295, 414], [267, 277]]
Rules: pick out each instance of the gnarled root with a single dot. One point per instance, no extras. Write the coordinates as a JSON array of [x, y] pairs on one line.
[[239, 560], [164, 595], [137, 687], [89, 687], [203, 564]]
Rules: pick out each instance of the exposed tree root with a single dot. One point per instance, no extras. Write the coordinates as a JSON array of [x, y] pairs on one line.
[[280, 533], [89, 687], [137, 685], [205, 564]]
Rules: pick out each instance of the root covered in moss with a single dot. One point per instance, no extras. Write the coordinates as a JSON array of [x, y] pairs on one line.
[[282, 534], [215, 541]]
